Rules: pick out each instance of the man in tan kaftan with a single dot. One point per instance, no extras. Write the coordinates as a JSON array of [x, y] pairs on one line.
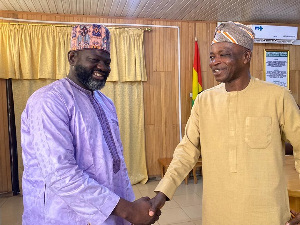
[[239, 127]]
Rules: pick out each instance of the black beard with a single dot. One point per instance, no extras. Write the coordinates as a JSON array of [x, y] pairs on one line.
[[84, 76]]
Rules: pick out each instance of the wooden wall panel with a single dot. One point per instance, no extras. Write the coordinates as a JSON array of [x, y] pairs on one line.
[[294, 204], [161, 89], [295, 84], [5, 171]]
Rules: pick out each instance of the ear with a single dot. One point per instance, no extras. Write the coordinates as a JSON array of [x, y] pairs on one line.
[[72, 57], [248, 56]]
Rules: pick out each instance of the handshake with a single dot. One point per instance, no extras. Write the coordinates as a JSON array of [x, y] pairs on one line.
[[142, 211], [146, 211]]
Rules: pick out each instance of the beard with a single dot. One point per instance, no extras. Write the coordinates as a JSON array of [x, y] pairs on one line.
[[85, 77]]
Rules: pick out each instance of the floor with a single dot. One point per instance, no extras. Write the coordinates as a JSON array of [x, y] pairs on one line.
[[183, 209]]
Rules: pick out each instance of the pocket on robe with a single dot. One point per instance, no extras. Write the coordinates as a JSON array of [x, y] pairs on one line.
[[258, 133]]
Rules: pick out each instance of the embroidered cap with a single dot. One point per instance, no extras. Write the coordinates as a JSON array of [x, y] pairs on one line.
[[236, 33], [87, 36]]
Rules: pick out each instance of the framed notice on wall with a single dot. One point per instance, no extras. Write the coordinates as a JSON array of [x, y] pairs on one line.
[[277, 67]]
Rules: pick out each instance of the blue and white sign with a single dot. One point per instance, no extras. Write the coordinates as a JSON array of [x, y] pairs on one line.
[[275, 32]]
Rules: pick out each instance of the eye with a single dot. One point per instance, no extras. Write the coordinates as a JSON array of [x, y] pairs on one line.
[[225, 55], [93, 60], [106, 63], [211, 57]]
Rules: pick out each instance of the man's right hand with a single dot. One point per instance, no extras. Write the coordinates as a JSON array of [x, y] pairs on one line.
[[136, 212], [157, 203]]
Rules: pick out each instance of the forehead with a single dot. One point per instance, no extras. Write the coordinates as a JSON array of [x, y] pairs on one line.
[[94, 53], [225, 46]]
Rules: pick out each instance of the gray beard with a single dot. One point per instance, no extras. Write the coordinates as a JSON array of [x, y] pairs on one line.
[[85, 77], [94, 85]]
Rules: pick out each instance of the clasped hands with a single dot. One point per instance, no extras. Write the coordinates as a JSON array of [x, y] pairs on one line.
[[146, 211], [142, 211]]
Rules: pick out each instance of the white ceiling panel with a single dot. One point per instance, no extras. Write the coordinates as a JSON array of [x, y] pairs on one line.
[[256, 11]]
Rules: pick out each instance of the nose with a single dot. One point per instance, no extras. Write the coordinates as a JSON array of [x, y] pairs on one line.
[[214, 61]]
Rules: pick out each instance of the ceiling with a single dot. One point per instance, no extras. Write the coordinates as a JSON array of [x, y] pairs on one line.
[[259, 11]]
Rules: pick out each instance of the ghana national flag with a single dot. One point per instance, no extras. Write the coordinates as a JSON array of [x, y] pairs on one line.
[[197, 79]]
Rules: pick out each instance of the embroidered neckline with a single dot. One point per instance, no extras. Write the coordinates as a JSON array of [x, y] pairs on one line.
[[78, 87]]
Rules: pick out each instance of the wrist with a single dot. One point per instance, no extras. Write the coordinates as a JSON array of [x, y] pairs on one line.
[[161, 196], [122, 209]]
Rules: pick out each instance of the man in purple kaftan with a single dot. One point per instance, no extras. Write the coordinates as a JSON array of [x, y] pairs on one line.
[[74, 169]]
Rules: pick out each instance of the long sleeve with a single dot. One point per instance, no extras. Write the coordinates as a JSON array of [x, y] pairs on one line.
[[290, 120], [185, 156]]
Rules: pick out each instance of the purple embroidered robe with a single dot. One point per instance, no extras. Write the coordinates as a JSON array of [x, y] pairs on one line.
[[70, 171]]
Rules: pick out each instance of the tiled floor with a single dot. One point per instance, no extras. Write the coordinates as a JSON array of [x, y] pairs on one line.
[[183, 209]]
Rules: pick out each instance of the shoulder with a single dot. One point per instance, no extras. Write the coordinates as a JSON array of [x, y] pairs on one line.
[[210, 96], [220, 88], [269, 88], [52, 96], [103, 97], [105, 101], [56, 88]]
